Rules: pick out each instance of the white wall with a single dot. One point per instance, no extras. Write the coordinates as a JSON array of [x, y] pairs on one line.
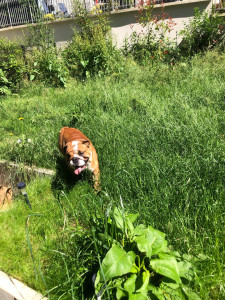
[[122, 22]]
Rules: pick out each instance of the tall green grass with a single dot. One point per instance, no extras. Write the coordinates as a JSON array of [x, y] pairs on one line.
[[159, 134]]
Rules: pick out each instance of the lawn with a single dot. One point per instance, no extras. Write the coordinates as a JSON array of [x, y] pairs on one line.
[[159, 132]]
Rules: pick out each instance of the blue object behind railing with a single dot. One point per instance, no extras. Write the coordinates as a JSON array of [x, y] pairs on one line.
[[63, 9]]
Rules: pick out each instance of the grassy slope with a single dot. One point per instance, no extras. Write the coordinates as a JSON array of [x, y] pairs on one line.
[[159, 134]]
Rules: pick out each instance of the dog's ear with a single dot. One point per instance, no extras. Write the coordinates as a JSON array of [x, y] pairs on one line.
[[86, 142]]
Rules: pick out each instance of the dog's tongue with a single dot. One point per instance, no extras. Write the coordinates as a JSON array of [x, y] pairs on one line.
[[79, 170]]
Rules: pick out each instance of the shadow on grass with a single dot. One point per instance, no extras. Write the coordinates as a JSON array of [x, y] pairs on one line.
[[64, 180]]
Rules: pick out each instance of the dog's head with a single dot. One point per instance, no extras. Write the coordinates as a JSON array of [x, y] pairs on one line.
[[78, 154]]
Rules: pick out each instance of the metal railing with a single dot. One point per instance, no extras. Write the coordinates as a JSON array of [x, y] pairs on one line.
[[18, 12], [220, 4]]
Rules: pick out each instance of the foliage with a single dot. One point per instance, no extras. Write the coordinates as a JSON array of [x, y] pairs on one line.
[[47, 67], [152, 43], [160, 143], [44, 62], [41, 35], [205, 31], [91, 51], [140, 265], [12, 66], [4, 84]]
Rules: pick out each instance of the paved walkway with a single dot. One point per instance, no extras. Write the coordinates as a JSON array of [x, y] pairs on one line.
[[12, 289]]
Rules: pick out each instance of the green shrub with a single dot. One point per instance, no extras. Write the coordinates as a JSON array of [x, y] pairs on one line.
[[152, 43], [205, 31], [47, 66], [43, 58], [147, 47], [91, 50], [139, 263], [12, 66], [4, 84]]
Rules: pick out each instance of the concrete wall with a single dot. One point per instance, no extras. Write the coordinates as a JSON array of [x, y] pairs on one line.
[[123, 22], [180, 11]]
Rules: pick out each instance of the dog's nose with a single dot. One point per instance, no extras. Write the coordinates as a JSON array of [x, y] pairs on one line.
[[75, 160]]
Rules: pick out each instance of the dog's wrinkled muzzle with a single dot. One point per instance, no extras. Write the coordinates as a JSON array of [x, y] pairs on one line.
[[78, 164]]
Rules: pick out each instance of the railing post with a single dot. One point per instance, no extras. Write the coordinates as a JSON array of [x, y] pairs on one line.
[[10, 21], [30, 12]]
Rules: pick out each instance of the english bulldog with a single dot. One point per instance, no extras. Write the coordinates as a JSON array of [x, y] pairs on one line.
[[80, 153]]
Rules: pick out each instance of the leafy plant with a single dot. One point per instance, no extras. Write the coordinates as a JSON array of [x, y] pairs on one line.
[[140, 265], [48, 67], [43, 57], [91, 50], [12, 65], [205, 31], [152, 43], [41, 35], [4, 84]]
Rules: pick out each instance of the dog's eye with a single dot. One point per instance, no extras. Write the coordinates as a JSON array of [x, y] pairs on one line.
[[80, 153]]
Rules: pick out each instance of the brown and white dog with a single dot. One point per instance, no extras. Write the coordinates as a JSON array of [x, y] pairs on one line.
[[79, 153]]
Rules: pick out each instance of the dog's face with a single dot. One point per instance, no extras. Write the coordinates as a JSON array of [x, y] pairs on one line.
[[78, 155]]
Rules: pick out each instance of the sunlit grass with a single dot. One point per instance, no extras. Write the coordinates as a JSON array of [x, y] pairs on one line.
[[159, 134]]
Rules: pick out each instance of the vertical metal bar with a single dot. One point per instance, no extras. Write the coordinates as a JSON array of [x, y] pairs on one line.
[[28, 3], [10, 22]]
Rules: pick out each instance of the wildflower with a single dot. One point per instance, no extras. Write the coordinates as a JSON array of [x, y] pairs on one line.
[[166, 52], [21, 118], [19, 141], [29, 140], [49, 16]]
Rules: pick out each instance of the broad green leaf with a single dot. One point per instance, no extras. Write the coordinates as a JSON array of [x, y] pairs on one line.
[[166, 266], [155, 237], [132, 217], [124, 221], [120, 294], [2, 77], [172, 290], [135, 269], [138, 296], [117, 262], [119, 218], [144, 245], [99, 286], [84, 63], [145, 282], [32, 77], [158, 293], [129, 284], [129, 220], [175, 254], [190, 294], [97, 280], [185, 270]]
